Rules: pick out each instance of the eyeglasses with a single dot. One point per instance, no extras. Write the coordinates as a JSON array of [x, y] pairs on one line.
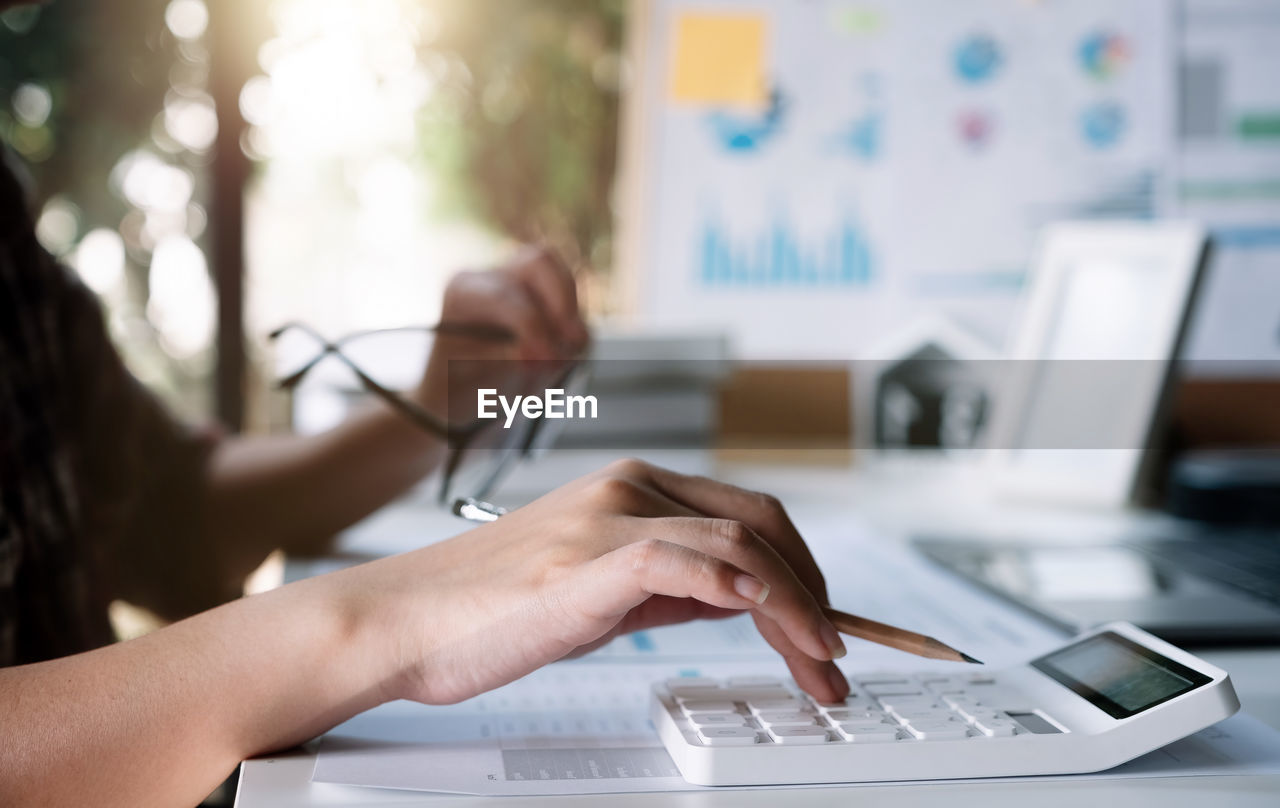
[[481, 453]]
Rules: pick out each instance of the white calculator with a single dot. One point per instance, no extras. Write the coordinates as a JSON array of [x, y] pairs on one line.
[[1106, 697]]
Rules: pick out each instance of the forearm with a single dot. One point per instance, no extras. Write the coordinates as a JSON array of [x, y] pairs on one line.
[[161, 720], [296, 492]]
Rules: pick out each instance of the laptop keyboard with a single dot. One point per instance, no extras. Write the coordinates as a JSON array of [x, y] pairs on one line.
[[1250, 563]]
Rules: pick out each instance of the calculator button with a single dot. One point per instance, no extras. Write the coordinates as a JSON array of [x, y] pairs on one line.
[[890, 689], [908, 698], [696, 692], [854, 715], [998, 698], [792, 719], [681, 682], [717, 720], [754, 694], [753, 682], [760, 691], [881, 678], [868, 733], [727, 736], [851, 703], [938, 731], [692, 687], [698, 706], [774, 705], [895, 703], [940, 683], [925, 716], [798, 735], [946, 689], [996, 728], [865, 726]]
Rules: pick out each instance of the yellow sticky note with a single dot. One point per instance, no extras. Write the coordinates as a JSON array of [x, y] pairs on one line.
[[719, 59]]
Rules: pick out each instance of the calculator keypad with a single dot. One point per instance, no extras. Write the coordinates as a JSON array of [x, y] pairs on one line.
[[881, 708]]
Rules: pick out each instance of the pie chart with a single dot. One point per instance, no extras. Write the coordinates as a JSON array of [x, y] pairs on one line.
[[977, 59]]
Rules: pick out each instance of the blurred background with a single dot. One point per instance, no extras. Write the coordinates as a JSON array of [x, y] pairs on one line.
[[215, 169], [807, 187], [353, 153]]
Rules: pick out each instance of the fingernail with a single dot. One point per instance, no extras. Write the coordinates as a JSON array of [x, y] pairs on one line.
[[838, 683], [831, 639], [751, 588]]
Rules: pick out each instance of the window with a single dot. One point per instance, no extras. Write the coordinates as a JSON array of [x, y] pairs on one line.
[[107, 106]]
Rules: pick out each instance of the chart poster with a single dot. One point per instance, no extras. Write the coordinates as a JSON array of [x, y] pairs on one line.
[[849, 166], [1229, 178]]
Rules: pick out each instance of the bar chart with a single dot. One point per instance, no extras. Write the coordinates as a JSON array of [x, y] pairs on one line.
[[779, 257]]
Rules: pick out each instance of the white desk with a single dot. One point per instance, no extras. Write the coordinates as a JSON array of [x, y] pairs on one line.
[[897, 500]]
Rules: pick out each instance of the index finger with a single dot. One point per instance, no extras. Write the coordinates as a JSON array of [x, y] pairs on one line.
[[762, 513], [552, 283], [789, 603]]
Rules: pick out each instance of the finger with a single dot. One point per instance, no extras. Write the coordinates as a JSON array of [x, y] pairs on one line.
[[552, 285], [657, 611], [762, 512], [822, 680], [790, 603], [624, 490], [620, 580], [493, 297], [621, 587], [661, 610]]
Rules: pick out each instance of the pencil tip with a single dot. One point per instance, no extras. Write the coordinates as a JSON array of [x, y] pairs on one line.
[[969, 659]]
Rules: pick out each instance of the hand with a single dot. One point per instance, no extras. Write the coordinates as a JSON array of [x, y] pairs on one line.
[[535, 297], [627, 548]]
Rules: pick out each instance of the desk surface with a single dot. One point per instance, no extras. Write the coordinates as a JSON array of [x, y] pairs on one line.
[[891, 499]]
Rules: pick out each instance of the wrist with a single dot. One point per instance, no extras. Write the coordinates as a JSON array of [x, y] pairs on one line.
[[394, 612], [355, 635], [364, 630], [282, 667]]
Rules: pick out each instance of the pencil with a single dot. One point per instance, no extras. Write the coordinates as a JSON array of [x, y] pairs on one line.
[[894, 637]]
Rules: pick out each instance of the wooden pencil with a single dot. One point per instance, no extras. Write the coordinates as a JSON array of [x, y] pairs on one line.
[[894, 637]]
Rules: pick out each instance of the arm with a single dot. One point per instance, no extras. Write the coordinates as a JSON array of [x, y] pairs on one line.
[[296, 492], [161, 719]]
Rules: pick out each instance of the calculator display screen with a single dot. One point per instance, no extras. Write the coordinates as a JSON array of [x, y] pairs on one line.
[[1117, 675]]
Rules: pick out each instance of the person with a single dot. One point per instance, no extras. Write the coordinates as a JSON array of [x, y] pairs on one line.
[[104, 496]]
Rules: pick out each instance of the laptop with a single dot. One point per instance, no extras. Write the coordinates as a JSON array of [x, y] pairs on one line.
[[1105, 315], [1191, 586]]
